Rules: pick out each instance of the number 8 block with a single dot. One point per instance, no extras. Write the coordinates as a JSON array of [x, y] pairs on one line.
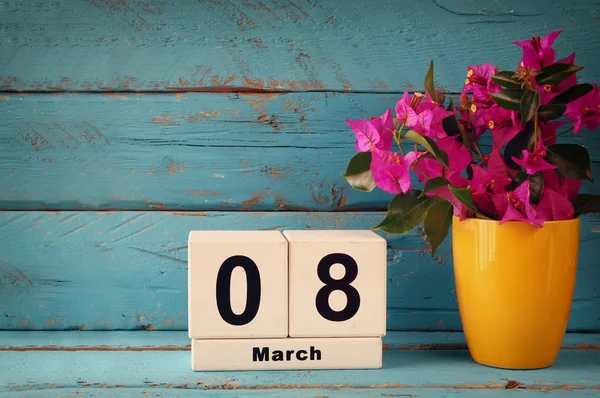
[[237, 284], [337, 283]]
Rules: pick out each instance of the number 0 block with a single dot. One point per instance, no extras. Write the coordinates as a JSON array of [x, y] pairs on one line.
[[337, 283], [237, 284]]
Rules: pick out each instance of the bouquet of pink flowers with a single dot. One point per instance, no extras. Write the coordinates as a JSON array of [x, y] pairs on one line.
[[527, 176]]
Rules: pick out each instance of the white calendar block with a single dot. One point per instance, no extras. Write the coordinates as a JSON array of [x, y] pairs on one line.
[[290, 353], [237, 284], [337, 283]]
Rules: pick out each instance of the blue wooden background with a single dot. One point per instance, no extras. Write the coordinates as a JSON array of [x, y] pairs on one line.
[[125, 124]]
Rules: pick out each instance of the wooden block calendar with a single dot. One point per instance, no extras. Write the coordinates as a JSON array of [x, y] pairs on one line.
[[301, 299]]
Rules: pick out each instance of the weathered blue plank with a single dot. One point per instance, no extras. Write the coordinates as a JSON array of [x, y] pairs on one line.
[[127, 270], [296, 393], [179, 341], [282, 45], [402, 370], [195, 151]]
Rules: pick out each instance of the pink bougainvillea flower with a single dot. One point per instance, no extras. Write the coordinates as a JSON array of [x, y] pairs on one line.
[[459, 156], [444, 193], [472, 119], [385, 126], [573, 187], [554, 206], [376, 133], [515, 206], [503, 123], [391, 170], [479, 82], [549, 131], [421, 114], [537, 52], [585, 111], [428, 168], [485, 184], [425, 103], [548, 92], [481, 185], [498, 171], [423, 124], [565, 187], [436, 128], [534, 161], [405, 113]]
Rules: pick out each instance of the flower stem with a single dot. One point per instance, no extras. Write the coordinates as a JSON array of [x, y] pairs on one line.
[[476, 145], [559, 134], [398, 137]]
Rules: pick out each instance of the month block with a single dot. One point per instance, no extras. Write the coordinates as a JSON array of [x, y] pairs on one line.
[[337, 283], [290, 353], [237, 284]]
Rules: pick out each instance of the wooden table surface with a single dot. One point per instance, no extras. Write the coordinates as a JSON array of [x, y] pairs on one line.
[[433, 364]]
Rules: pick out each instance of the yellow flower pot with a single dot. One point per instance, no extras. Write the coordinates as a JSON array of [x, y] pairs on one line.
[[515, 285]]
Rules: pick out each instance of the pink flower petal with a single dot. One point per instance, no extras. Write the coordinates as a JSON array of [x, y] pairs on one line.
[[428, 168], [554, 206], [459, 157], [390, 172], [404, 113], [385, 128]]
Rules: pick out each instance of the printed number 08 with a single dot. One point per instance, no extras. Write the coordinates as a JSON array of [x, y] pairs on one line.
[[253, 291]]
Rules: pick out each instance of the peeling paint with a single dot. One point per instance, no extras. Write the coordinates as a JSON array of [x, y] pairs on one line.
[[175, 167], [203, 193], [254, 82], [257, 197], [164, 120], [258, 100]]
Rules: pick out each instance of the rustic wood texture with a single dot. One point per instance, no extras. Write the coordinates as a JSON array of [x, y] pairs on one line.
[[128, 270], [422, 373], [143, 340], [194, 151], [288, 392], [274, 44], [74, 136], [197, 151]]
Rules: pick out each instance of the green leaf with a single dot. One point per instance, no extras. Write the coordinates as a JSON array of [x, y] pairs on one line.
[[572, 161], [506, 79], [508, 99], [556, 73], [517, 180], [470, 170], [452, 127], [429, 145], [586, 204], [536, 186], [464, 196], [551, 111], [429, 84], [433, 184], [358, 173], [529, 105], [437, 222], [523, 140], [572, 93], [405, 213]]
